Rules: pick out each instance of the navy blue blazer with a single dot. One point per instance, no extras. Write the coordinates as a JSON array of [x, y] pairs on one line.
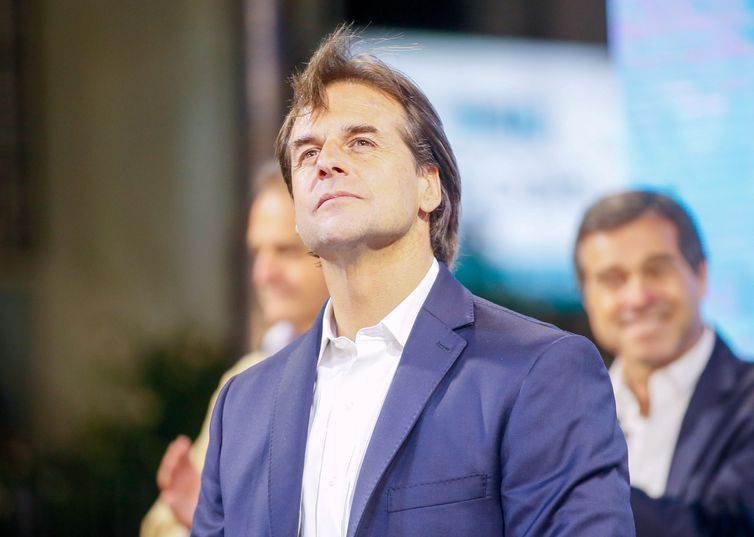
[[710, 489], [494, 424]]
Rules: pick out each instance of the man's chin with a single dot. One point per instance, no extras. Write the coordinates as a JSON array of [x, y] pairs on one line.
[[653, 354], [277, 313], [335, 246]]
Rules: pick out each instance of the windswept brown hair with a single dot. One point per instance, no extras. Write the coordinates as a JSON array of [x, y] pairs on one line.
[[423, 133]]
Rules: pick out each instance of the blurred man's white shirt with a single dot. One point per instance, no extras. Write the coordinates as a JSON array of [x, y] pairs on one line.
[[276, 337], [652, 439]]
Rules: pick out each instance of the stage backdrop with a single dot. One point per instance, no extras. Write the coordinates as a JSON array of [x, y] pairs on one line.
[[541, 129], [686, 70]]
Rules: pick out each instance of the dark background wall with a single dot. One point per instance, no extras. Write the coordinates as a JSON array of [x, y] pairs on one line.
[[127, 131]]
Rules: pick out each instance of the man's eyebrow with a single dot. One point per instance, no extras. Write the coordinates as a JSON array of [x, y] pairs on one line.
[[348, 130], [659, 258], [604, 271], [360, 129], [303, 140]]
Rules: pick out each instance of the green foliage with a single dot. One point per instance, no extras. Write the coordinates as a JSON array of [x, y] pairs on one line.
[[104, 484]]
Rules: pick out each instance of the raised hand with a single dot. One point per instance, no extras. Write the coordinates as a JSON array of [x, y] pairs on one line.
[[179, 480]]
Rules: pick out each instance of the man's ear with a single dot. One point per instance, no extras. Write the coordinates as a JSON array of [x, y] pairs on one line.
[[430, 190], [701, 275]]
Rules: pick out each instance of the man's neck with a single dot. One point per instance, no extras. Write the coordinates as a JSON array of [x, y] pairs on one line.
[[365, 290], [637, 373], [637, 380]]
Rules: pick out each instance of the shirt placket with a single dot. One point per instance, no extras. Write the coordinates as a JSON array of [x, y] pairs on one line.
[[336, 449]]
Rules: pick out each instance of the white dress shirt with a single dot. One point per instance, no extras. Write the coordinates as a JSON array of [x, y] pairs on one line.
[[276, 337], [652, 439], [352, 381]]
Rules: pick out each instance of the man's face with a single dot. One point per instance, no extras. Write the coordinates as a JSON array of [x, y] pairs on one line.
[[641, 295], [355, 181], [288, 283]]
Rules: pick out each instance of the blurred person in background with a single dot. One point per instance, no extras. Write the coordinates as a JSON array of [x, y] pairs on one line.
[[290, 290], [684, 400], [412, 407]]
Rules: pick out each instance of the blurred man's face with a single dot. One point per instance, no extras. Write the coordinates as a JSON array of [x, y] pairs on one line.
[[288, 283], [642, 297]]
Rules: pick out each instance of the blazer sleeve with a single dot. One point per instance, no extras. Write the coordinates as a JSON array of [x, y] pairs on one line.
[[563, 455], [209, 520], [725, 510]]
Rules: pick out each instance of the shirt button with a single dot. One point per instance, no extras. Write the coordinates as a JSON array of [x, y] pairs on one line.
[[331, 482], [349, 406]]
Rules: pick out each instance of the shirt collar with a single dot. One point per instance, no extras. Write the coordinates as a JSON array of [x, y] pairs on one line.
[[682, 374], [685, 372], [399, 322]]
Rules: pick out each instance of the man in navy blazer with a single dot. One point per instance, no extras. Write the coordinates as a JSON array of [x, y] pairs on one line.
[[685, 401], [412, 407]]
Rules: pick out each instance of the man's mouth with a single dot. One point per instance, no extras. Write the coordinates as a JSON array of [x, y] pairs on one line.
[[338, 194], [647, 323]]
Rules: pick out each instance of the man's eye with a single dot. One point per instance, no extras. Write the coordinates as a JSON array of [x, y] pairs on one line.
[[611, 280], [292, 251], [308, 154], [658, 269], [363, 142]]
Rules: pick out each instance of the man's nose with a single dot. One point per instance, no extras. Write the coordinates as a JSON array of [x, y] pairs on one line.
[[264, 268], [331, 160], [638, 292]]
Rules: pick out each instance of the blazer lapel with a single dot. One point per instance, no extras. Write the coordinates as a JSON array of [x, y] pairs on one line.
[[705, 413], [430, 351], [288, 431]]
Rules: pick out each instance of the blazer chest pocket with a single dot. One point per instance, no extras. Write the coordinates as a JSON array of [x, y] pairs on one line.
[[431, 493]]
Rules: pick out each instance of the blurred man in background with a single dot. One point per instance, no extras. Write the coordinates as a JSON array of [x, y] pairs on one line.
[[684, 400], [290, 289]]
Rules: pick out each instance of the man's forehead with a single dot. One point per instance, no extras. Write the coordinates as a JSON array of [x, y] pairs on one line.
[[649, 228], [348, 100], [633, 243]]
